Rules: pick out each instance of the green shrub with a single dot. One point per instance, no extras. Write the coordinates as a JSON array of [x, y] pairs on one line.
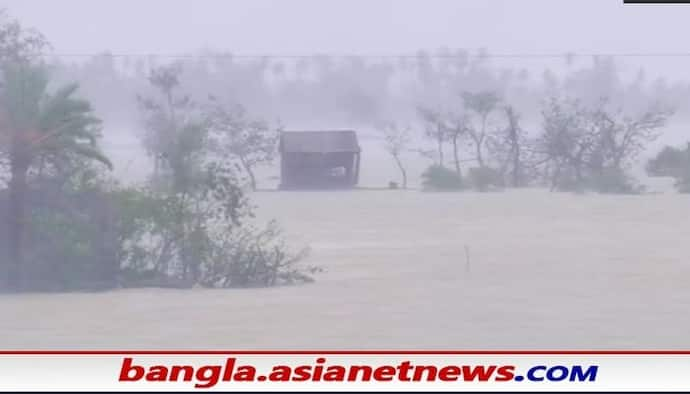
[[669, 161], [610, 180], [614, 181], [201, 239], [253, 257], [71, 238], [673, 162], [485, 178], [438, 177]]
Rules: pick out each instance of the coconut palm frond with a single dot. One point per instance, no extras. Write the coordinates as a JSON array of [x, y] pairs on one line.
[[91, 152], [61, 108], [51, 124]]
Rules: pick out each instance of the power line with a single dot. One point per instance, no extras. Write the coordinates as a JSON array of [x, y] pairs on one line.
[[565, 55]]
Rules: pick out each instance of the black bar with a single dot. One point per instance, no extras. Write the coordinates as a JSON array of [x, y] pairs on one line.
[[656, 1]]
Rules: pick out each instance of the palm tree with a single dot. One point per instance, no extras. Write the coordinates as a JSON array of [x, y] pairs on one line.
[[36, 125]]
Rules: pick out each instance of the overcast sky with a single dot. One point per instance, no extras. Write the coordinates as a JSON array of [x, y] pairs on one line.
[[360, 26], [357, 26]]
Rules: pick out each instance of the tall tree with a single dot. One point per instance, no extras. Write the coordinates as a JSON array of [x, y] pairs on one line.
[[566, 141], [509, 145], [395, 141], [18, 44], [38, 124], [177, 138], [434, 129], [594, 146], [483, 104], [457, 128], [515, 138], [623, 137], [175, 131]]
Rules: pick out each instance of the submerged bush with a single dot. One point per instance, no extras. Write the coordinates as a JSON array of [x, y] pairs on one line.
[[610, 180], [202, 239], [253, 257], [71, 238], [614, 181], [153, 251], [672, 162], [437, 177], [485, 178], [683, 184]]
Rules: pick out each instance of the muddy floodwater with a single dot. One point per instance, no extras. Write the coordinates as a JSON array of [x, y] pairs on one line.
[[519, 270]]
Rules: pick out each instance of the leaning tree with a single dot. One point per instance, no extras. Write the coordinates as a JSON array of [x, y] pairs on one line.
[[483, 104], [434, 129], [249, 141], [395, 140]]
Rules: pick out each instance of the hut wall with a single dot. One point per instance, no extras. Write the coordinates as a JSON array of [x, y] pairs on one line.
[[335, 169]]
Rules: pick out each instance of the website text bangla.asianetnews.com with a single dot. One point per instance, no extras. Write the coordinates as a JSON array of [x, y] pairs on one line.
[[207, 376], [283, 371]]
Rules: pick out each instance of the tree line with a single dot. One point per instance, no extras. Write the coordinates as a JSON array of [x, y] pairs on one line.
[[360, 90], [577, 146]]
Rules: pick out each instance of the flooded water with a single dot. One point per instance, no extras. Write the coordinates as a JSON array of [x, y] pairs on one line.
[[407, 269]]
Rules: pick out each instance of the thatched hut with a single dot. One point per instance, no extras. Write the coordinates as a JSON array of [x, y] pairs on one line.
[[319, 159]]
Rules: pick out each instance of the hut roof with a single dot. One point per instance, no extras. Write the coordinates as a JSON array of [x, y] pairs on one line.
[[319, 141]]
